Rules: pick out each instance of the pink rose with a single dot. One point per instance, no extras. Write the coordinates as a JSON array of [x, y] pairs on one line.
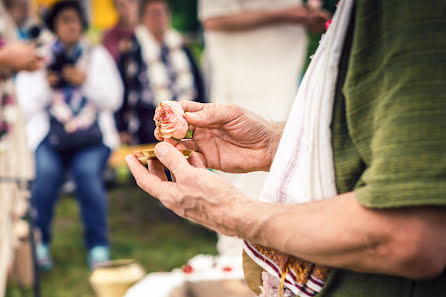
[[169, 118]]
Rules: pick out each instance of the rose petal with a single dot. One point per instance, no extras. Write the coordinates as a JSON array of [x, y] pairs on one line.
[[169, 118]]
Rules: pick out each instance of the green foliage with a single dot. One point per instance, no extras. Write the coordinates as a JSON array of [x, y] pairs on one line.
[[313, 43], [184, 15]]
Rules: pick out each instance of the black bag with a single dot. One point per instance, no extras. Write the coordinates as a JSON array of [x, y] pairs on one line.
[[61, 140]]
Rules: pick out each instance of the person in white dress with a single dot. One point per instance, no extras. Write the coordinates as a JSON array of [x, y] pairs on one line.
[[255, 51]]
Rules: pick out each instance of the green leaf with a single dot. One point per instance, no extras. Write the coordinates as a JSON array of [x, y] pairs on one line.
[[188, 134]]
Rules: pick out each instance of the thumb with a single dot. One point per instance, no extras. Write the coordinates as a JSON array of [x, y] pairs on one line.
[[172, 158]]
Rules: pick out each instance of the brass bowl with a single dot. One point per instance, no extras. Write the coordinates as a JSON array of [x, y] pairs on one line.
[[149, 154], [114, 278]]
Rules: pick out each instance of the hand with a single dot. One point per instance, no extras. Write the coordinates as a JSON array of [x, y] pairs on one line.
[[52, 78], [74, 75], [316, 20], [20, 56], [296, 14], [197, 194], [229, 138]]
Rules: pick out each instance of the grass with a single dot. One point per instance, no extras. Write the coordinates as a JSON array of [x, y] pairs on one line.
[[140, 228]]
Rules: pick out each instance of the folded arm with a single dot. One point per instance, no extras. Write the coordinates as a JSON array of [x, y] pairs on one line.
[[253, 19]]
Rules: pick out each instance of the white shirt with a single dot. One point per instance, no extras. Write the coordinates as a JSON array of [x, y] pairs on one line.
[[258, 69]]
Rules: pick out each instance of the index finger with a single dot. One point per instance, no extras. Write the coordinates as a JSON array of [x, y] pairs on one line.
[[191, 106], [145, 180]]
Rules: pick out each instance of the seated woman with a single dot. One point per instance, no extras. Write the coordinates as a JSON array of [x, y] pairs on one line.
[[155, 65], [69, 111]]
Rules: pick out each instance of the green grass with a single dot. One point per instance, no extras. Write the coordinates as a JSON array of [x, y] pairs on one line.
[[140, 228]]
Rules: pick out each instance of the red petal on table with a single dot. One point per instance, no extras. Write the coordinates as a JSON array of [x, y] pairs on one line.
[[187, 269], [227, 269]]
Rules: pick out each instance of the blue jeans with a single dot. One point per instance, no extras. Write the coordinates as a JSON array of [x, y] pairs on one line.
[[86, 167]]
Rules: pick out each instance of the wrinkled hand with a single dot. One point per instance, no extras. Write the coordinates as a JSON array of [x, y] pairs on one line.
[[316, 20], [197, 194], [20, 56], [229, 138], [74, 75]]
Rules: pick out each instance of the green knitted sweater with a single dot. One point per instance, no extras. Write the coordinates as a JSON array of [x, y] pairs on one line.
[[389, 124]]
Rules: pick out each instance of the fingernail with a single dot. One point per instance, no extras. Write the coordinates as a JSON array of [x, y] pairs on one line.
[[161, 149]]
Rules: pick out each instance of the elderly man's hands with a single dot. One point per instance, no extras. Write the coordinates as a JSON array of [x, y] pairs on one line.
[[225, 137], [229, 138], [196, 193]]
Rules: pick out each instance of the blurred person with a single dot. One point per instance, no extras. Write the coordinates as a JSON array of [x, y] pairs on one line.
[[116, 37], [16, 165], [69, 111], [255, 51], [155, 66]]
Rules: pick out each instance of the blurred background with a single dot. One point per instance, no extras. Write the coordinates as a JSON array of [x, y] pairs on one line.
[[139, 227]]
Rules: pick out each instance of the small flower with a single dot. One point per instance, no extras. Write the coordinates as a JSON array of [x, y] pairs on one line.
[[327, 24], [227, 269], [169, 118], [187, 269]]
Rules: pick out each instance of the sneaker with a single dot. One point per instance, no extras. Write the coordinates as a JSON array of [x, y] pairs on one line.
[[97, 256], [43, 254]]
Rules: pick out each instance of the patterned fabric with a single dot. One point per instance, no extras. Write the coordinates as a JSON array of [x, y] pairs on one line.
[[69, 106], [309, 278], [16, 163], [168, 71], [136, 114], [7, 101], [7, 114]]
